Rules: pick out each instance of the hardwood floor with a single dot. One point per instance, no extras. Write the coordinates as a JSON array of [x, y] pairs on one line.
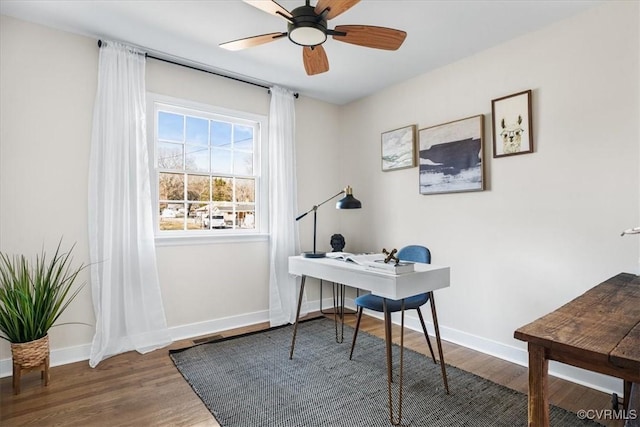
[[147, 390]]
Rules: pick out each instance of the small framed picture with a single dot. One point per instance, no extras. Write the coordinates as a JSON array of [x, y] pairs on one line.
[[451, 157], [399, 148], [512, 125]]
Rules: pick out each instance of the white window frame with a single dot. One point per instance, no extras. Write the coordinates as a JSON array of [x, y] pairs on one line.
[[261, 163]]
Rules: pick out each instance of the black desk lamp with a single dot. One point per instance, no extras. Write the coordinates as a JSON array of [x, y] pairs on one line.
[[347, 202]]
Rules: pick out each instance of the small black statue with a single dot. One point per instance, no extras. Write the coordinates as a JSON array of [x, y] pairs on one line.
[[337, 242]]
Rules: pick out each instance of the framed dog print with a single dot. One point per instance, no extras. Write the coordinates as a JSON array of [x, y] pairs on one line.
[[512, 125], [399, 148], [451, 157]]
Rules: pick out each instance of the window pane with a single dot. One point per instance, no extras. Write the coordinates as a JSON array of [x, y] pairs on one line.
[[162, 207], [222, 190], [247, 219], [172, 216], [192, 220], [220, 160], [197, 131], [170, 155], [197, 158], [243, 138], [198, 188], [245, 190], [217, 220], [199, 211], [220, 134], [171, 186], [242, 163], [170, 126]]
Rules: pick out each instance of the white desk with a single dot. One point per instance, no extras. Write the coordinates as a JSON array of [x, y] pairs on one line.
[[425, 279]]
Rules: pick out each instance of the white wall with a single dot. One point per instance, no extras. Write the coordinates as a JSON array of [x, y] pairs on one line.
[[548, 226], [47, 84], [47, 88]]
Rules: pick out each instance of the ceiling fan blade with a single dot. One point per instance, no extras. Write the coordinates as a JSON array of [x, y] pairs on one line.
[[271, 7], [336, 7], [251, 41], [370, 36], [315, 60]]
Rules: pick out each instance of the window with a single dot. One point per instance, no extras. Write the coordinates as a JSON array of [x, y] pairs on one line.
[[209, 170]]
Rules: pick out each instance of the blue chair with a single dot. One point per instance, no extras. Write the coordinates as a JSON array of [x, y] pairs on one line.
[[413, 253]]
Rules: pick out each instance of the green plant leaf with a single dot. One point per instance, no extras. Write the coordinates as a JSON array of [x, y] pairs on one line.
[[33, 295]]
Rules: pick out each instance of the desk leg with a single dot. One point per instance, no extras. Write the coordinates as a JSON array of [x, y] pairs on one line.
[[295, 326], [387, 339], [434, 315], [627, 394], [388, 342], [538, 387], [344, 310], [338, 310]]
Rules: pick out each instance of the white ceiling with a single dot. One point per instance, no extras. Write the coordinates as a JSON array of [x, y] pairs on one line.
[[438, 32]]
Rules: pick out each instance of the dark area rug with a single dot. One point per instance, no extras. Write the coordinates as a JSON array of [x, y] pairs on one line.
[[249, 381]]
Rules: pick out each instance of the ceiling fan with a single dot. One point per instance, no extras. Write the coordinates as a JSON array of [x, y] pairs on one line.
[[307, 27]]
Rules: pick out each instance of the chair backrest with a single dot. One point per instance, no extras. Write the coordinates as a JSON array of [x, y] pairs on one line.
[[415, 253]]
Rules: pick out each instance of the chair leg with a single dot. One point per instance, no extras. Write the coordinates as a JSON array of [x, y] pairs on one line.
[[426, 335], [355, 332]]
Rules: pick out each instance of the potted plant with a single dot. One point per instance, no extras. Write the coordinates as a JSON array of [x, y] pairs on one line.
[[33, 295]]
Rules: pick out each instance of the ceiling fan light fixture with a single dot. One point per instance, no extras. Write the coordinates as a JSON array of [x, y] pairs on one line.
[[307, 35], [306, 28]]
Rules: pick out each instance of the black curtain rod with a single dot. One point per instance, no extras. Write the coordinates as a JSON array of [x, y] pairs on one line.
[[204, 71]]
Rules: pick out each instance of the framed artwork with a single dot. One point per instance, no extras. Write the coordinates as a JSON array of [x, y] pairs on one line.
[[512, 129], [450, 157], [399, 148]]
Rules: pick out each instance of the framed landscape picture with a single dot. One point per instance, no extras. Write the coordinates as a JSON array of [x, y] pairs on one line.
[[399, 148], [450, 157], [512, 129]]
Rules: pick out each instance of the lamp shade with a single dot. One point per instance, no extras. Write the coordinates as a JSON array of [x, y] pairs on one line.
[[348, 201]]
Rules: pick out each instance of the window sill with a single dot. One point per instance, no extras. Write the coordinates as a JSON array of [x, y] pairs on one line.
[[209, 239]]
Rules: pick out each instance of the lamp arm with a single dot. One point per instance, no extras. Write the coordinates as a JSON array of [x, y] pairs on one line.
[[303, 215], [315, 207], [330, 198]]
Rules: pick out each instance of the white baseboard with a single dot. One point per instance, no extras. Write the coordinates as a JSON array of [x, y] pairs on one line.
[[64, 356], [503, 351], [58, 357]]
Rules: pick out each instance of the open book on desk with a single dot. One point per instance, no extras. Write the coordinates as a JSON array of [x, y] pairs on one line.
[[360, 259], [374, 262]]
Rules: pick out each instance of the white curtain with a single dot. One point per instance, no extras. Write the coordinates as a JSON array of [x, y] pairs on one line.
[[124, 279], [283, 288]]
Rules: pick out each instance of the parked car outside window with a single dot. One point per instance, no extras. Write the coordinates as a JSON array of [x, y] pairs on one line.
[[216, 221]]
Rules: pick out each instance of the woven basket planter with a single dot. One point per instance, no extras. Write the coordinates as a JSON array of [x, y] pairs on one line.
[[28, 356]]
